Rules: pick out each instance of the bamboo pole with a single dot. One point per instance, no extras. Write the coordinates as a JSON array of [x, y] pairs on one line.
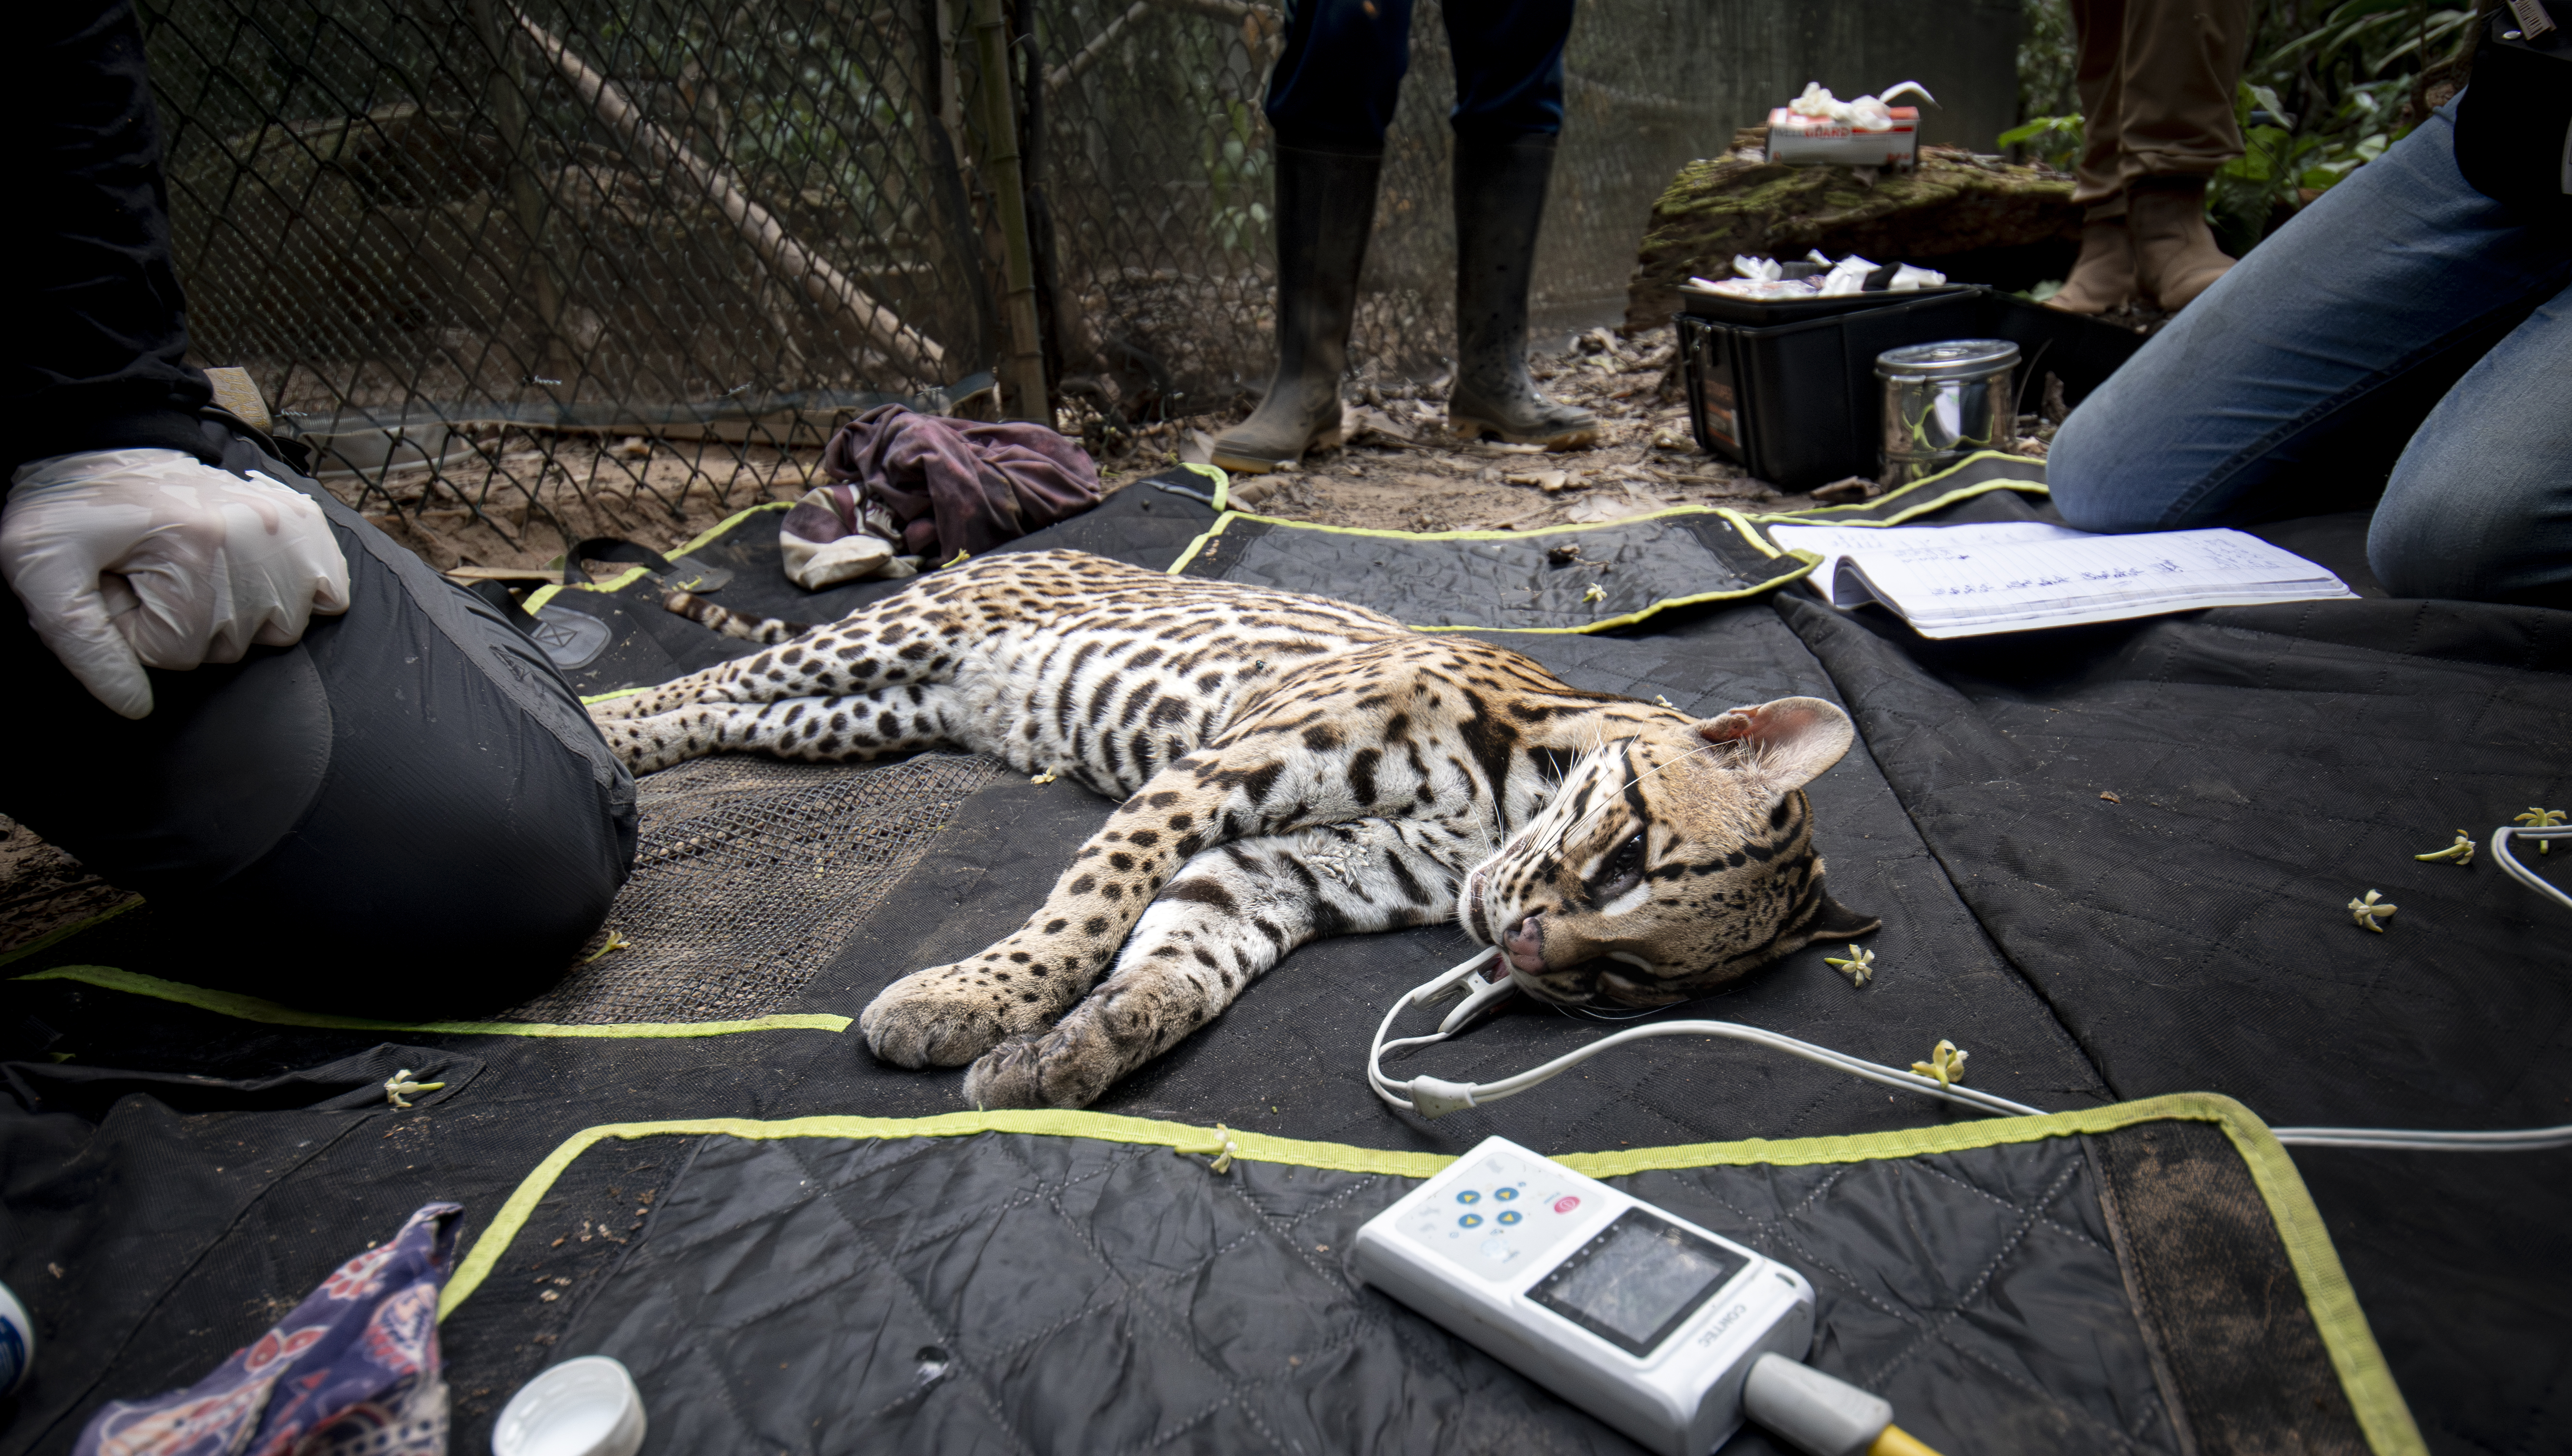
[[508, 108], [1022, 381], [858, 314]]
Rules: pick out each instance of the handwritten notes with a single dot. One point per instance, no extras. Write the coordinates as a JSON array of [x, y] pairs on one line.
[[1969, 580]]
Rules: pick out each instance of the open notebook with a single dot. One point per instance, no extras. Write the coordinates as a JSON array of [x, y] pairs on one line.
[[1968, 581]]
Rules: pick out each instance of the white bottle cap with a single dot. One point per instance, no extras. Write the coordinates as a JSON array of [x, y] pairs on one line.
[[583, 1407]]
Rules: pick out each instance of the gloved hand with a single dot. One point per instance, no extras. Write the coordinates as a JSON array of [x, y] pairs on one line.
[[129, 558]]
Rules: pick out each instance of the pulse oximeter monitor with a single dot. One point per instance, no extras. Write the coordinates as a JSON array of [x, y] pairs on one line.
[[1641, 1318]]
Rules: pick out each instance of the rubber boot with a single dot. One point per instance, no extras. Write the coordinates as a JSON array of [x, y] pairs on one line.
[[2175, 254], [1325, 209], [2103, 278], [1500, 200]]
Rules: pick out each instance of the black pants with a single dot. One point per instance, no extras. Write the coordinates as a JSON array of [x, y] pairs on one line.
[[1340, 76], [405, 815]]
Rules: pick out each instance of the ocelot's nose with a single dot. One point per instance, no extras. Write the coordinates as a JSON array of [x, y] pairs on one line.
[[1525, 945]]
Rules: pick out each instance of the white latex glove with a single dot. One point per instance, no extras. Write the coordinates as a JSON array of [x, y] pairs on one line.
[[129, 558]]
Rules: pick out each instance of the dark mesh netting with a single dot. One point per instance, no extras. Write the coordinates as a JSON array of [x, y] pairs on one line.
[[751, 875]]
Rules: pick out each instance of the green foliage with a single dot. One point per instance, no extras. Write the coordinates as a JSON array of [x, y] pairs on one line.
[[2374, 36], [1237, 172], [2056, 140], [2045, 60], [2333, 87], [2329, 87]]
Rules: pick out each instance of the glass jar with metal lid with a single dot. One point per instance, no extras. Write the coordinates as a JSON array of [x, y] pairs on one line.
[[1942, 403]]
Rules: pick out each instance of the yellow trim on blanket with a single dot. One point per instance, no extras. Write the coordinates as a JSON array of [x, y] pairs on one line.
[[623, 579], [2354, 1354], [1743, 522], [252, 1008], [1623, 620], [1820, 515], [1222, 519]]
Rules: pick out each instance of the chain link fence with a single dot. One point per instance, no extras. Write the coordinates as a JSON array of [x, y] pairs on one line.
[[465, 249]]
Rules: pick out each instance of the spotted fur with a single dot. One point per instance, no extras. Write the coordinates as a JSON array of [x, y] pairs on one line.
[[1290, 768]]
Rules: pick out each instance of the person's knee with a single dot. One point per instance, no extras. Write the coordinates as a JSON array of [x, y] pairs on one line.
[[2479, 507], [2094, 468], [2426, 553], [2442, 532]]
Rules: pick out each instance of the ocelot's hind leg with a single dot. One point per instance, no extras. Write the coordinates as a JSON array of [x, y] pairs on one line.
[[848, 728]]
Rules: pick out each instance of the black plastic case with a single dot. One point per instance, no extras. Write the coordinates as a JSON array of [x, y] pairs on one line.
[[1797, 403]]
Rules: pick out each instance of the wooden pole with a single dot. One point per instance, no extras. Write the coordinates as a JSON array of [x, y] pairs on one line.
[[508, 109], [857, 313], [1022, 381]]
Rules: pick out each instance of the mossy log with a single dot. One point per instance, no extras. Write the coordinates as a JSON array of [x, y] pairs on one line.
[[1953, 205]]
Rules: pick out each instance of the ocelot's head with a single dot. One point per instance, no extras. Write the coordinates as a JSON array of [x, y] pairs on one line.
[[1669, 862]]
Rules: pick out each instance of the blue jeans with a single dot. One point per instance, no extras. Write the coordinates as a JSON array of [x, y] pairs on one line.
[[1340, 75], [2403, 306]]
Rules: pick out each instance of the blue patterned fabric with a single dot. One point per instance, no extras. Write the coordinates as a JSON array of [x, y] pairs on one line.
[[353, 1371]]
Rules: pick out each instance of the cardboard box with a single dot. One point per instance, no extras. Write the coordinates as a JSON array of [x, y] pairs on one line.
[[1805, 138]]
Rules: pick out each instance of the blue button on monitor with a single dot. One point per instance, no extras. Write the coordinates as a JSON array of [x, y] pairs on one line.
[[1468, 1197], [1511, 1216], [1505, 1195], [1470, 1221]]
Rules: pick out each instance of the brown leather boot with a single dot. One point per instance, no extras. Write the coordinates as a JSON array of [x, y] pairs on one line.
[[2104, 275], [2175, 254]]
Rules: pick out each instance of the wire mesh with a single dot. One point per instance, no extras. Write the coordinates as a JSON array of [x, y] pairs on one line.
[[461, 243], [749, 877]]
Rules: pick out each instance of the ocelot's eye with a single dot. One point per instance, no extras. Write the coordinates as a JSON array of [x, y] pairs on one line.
[[1624, 870]]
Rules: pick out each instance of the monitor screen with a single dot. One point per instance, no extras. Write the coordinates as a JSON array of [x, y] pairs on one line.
[[1636, 1281]]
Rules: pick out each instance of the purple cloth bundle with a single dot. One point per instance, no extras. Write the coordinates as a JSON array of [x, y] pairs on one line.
[[954, 486], [354, 1369]]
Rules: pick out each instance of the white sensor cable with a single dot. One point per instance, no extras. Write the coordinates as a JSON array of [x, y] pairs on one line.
[[2523, 1140], [2500, 839], [1435, 1097]]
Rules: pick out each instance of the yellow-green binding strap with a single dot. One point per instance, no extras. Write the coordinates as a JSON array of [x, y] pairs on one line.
[[1222, 482], [2364, 1375], [1626, 619], [628, 577], [1915, 500], [1929, 496], [252, 1008]]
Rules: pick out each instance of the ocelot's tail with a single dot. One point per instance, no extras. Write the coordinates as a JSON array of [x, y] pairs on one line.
[[732, 623]]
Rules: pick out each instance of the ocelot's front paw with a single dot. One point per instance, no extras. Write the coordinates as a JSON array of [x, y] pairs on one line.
[[1068, 1066], [940, 1016]]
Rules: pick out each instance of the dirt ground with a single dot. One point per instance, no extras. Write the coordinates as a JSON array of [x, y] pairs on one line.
[[1399, 471]]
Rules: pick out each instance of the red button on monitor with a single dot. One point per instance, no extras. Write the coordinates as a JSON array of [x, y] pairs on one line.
[[1566, 1203]]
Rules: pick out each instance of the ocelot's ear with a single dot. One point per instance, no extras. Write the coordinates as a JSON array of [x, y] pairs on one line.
[[1786, 743]]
